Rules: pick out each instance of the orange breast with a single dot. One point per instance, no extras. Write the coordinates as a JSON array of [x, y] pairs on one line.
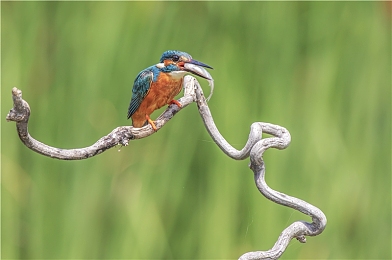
[[161, 93]]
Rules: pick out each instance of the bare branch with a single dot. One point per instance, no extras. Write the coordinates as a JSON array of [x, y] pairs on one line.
[[20, 114], [254, 148], [298, 229]]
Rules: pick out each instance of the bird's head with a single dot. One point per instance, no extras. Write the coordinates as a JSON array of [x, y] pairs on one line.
[[178, 62]]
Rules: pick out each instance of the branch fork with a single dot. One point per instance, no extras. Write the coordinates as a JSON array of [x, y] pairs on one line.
[[254, 148]]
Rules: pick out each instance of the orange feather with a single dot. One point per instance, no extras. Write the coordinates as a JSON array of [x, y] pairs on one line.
[[161, 93]]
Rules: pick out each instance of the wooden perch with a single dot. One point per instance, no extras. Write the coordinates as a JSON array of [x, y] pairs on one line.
[[254, 148]]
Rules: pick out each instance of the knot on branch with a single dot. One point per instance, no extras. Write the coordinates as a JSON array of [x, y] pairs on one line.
[[21, 110]]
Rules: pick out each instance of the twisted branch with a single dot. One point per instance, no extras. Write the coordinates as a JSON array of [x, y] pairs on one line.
[[254, 148]]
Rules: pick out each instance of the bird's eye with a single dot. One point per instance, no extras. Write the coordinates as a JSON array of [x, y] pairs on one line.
[[175, 58]]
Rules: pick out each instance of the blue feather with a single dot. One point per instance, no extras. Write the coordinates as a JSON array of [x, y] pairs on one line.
[[140, 89]]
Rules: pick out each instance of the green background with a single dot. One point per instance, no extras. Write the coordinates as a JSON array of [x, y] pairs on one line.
[[320, 69]]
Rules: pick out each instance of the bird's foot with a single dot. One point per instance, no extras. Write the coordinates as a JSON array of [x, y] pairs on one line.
[[175, 102], [151, 123]]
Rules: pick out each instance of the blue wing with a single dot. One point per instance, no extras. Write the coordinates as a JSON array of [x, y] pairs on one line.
[[140, 89]]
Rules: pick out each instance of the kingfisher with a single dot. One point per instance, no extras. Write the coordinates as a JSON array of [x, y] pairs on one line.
[[156, 86]]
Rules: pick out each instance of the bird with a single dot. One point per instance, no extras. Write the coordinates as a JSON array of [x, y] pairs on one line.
[[157, 85]]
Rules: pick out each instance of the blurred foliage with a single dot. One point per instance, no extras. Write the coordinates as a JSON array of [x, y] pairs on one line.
[[320, 69]]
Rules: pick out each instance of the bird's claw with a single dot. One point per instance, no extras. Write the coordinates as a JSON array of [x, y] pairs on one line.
[[151, 123], [175, 102]]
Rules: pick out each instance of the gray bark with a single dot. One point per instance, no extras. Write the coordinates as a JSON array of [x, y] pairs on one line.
[[254, 148]]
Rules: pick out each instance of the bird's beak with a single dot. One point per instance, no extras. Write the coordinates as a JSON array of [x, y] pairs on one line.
[[196, 67], [201, 64]]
